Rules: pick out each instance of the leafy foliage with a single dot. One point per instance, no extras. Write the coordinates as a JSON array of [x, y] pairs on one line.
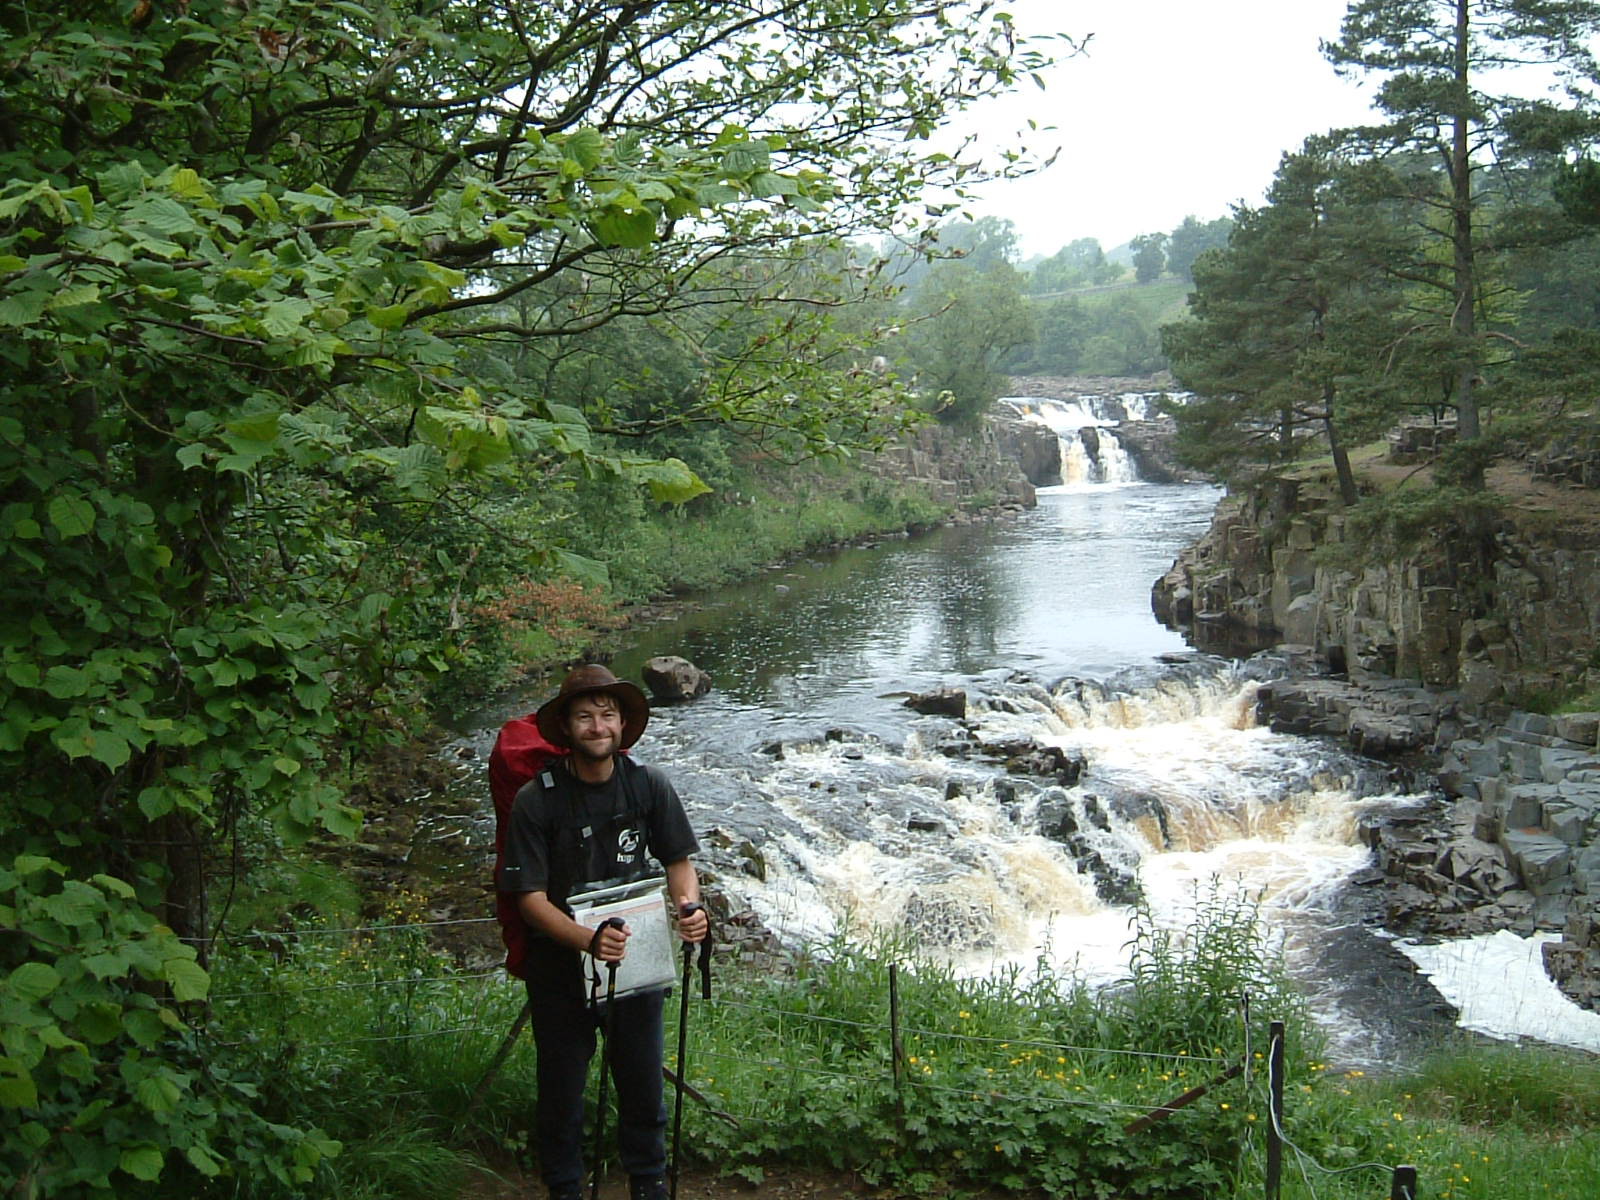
[[265, 271]]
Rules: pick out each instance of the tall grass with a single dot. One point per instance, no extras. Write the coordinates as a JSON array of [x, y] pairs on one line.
[[1025, 1081]]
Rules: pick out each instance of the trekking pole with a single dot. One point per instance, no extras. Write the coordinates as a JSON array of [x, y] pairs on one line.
[[683, 1035], [605, 1062]]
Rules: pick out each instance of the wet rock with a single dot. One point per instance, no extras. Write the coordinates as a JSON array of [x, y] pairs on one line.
[[941, 702], [1543, 863], [672, 679]]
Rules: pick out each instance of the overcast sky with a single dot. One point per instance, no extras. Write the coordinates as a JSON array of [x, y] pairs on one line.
[[1177, 107]]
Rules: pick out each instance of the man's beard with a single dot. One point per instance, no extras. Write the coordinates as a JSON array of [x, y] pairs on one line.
[[595, 749]]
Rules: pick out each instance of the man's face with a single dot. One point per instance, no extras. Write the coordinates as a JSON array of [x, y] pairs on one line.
[[594, 726]]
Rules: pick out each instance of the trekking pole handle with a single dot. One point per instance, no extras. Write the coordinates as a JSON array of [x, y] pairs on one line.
[[594, 942], [686, 910]]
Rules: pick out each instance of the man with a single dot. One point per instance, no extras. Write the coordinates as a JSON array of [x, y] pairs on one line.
[[585, 821]]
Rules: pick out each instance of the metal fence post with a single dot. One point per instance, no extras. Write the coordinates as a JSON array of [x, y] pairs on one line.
[[1275, 1110], [1404, 1184], [896, 1053]]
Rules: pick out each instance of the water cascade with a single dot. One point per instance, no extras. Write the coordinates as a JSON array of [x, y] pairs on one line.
[[1085, 427], [931, 840]]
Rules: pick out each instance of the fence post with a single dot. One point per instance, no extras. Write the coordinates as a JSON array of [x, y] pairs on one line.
[[896, 1053], [1404, 1184], [1275, 1110]]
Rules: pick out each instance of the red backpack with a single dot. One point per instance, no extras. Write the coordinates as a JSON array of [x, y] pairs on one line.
[[520, 752]]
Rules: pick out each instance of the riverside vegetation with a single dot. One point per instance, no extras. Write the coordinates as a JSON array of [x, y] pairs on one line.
[[1010, 1084]]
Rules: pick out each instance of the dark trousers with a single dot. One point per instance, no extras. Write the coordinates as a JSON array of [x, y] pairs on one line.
[[565, 1026]]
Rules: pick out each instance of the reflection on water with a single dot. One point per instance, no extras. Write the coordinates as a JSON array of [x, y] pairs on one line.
[[1063, 590]]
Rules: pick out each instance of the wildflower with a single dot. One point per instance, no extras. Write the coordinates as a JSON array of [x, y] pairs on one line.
[[1226, 1106]]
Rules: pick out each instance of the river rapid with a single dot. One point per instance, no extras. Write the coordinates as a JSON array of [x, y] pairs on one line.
[[828, 807]]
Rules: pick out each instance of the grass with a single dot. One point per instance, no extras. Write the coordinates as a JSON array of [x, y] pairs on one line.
[[1023, 1082]]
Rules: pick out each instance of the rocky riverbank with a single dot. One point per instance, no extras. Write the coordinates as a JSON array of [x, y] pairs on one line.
[[1425, 659]]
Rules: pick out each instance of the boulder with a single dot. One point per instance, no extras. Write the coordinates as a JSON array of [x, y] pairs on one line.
[[1543, 863], [672, 679], [941, 702]]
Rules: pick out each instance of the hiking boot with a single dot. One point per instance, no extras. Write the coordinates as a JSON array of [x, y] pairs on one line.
[[647, 1187]]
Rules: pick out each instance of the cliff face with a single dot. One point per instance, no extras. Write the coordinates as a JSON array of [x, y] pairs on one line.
[[961, 466], [1502, 617]]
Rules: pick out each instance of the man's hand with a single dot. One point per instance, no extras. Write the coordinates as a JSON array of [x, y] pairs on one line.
[[693, 924], [610, 941]]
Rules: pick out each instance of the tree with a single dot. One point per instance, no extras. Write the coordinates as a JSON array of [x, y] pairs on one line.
[[1149, 256], [1192, 239], [1437, 57], [1282, 345], [964, 321], [263, 268], [1080, 263]]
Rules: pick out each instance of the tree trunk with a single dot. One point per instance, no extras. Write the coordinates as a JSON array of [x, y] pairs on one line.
[[1463, 318], [1341, 458]]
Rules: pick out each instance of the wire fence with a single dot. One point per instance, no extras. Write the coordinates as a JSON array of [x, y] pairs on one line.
[[471, 1008]]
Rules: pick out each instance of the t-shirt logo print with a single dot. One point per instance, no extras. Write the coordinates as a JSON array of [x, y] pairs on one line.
[[628, 843]]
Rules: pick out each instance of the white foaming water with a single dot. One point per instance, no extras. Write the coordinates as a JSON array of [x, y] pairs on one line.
[[1108, 464], [1182, 790], [1498, 983]]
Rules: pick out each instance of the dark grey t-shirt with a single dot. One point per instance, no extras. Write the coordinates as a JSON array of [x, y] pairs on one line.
[[567, 836]]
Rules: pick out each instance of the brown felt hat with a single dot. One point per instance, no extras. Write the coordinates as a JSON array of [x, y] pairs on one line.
[[586, 681]]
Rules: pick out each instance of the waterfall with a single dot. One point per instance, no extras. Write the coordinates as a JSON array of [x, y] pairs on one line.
[[1085, 428], [986, 870]]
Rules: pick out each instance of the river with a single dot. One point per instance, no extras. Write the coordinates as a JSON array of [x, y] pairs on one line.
[[827, 806]]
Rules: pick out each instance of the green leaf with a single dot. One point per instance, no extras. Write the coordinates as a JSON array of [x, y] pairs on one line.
[[75, 904], [203, 1161], [23, 674], [72, 515], [142, 1162], [671, 481], [119, 887], [768, 184], [392, 317], [585, 147], [22, 308], [586, 571], [189, 981], [164, 215], [33, 981], [74, 297], [158, 1093], [18, 1092], [631, 229], [282, 318], [65, 682]]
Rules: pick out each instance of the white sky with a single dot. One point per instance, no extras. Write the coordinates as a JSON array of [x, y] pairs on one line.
[[1178, 107]]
